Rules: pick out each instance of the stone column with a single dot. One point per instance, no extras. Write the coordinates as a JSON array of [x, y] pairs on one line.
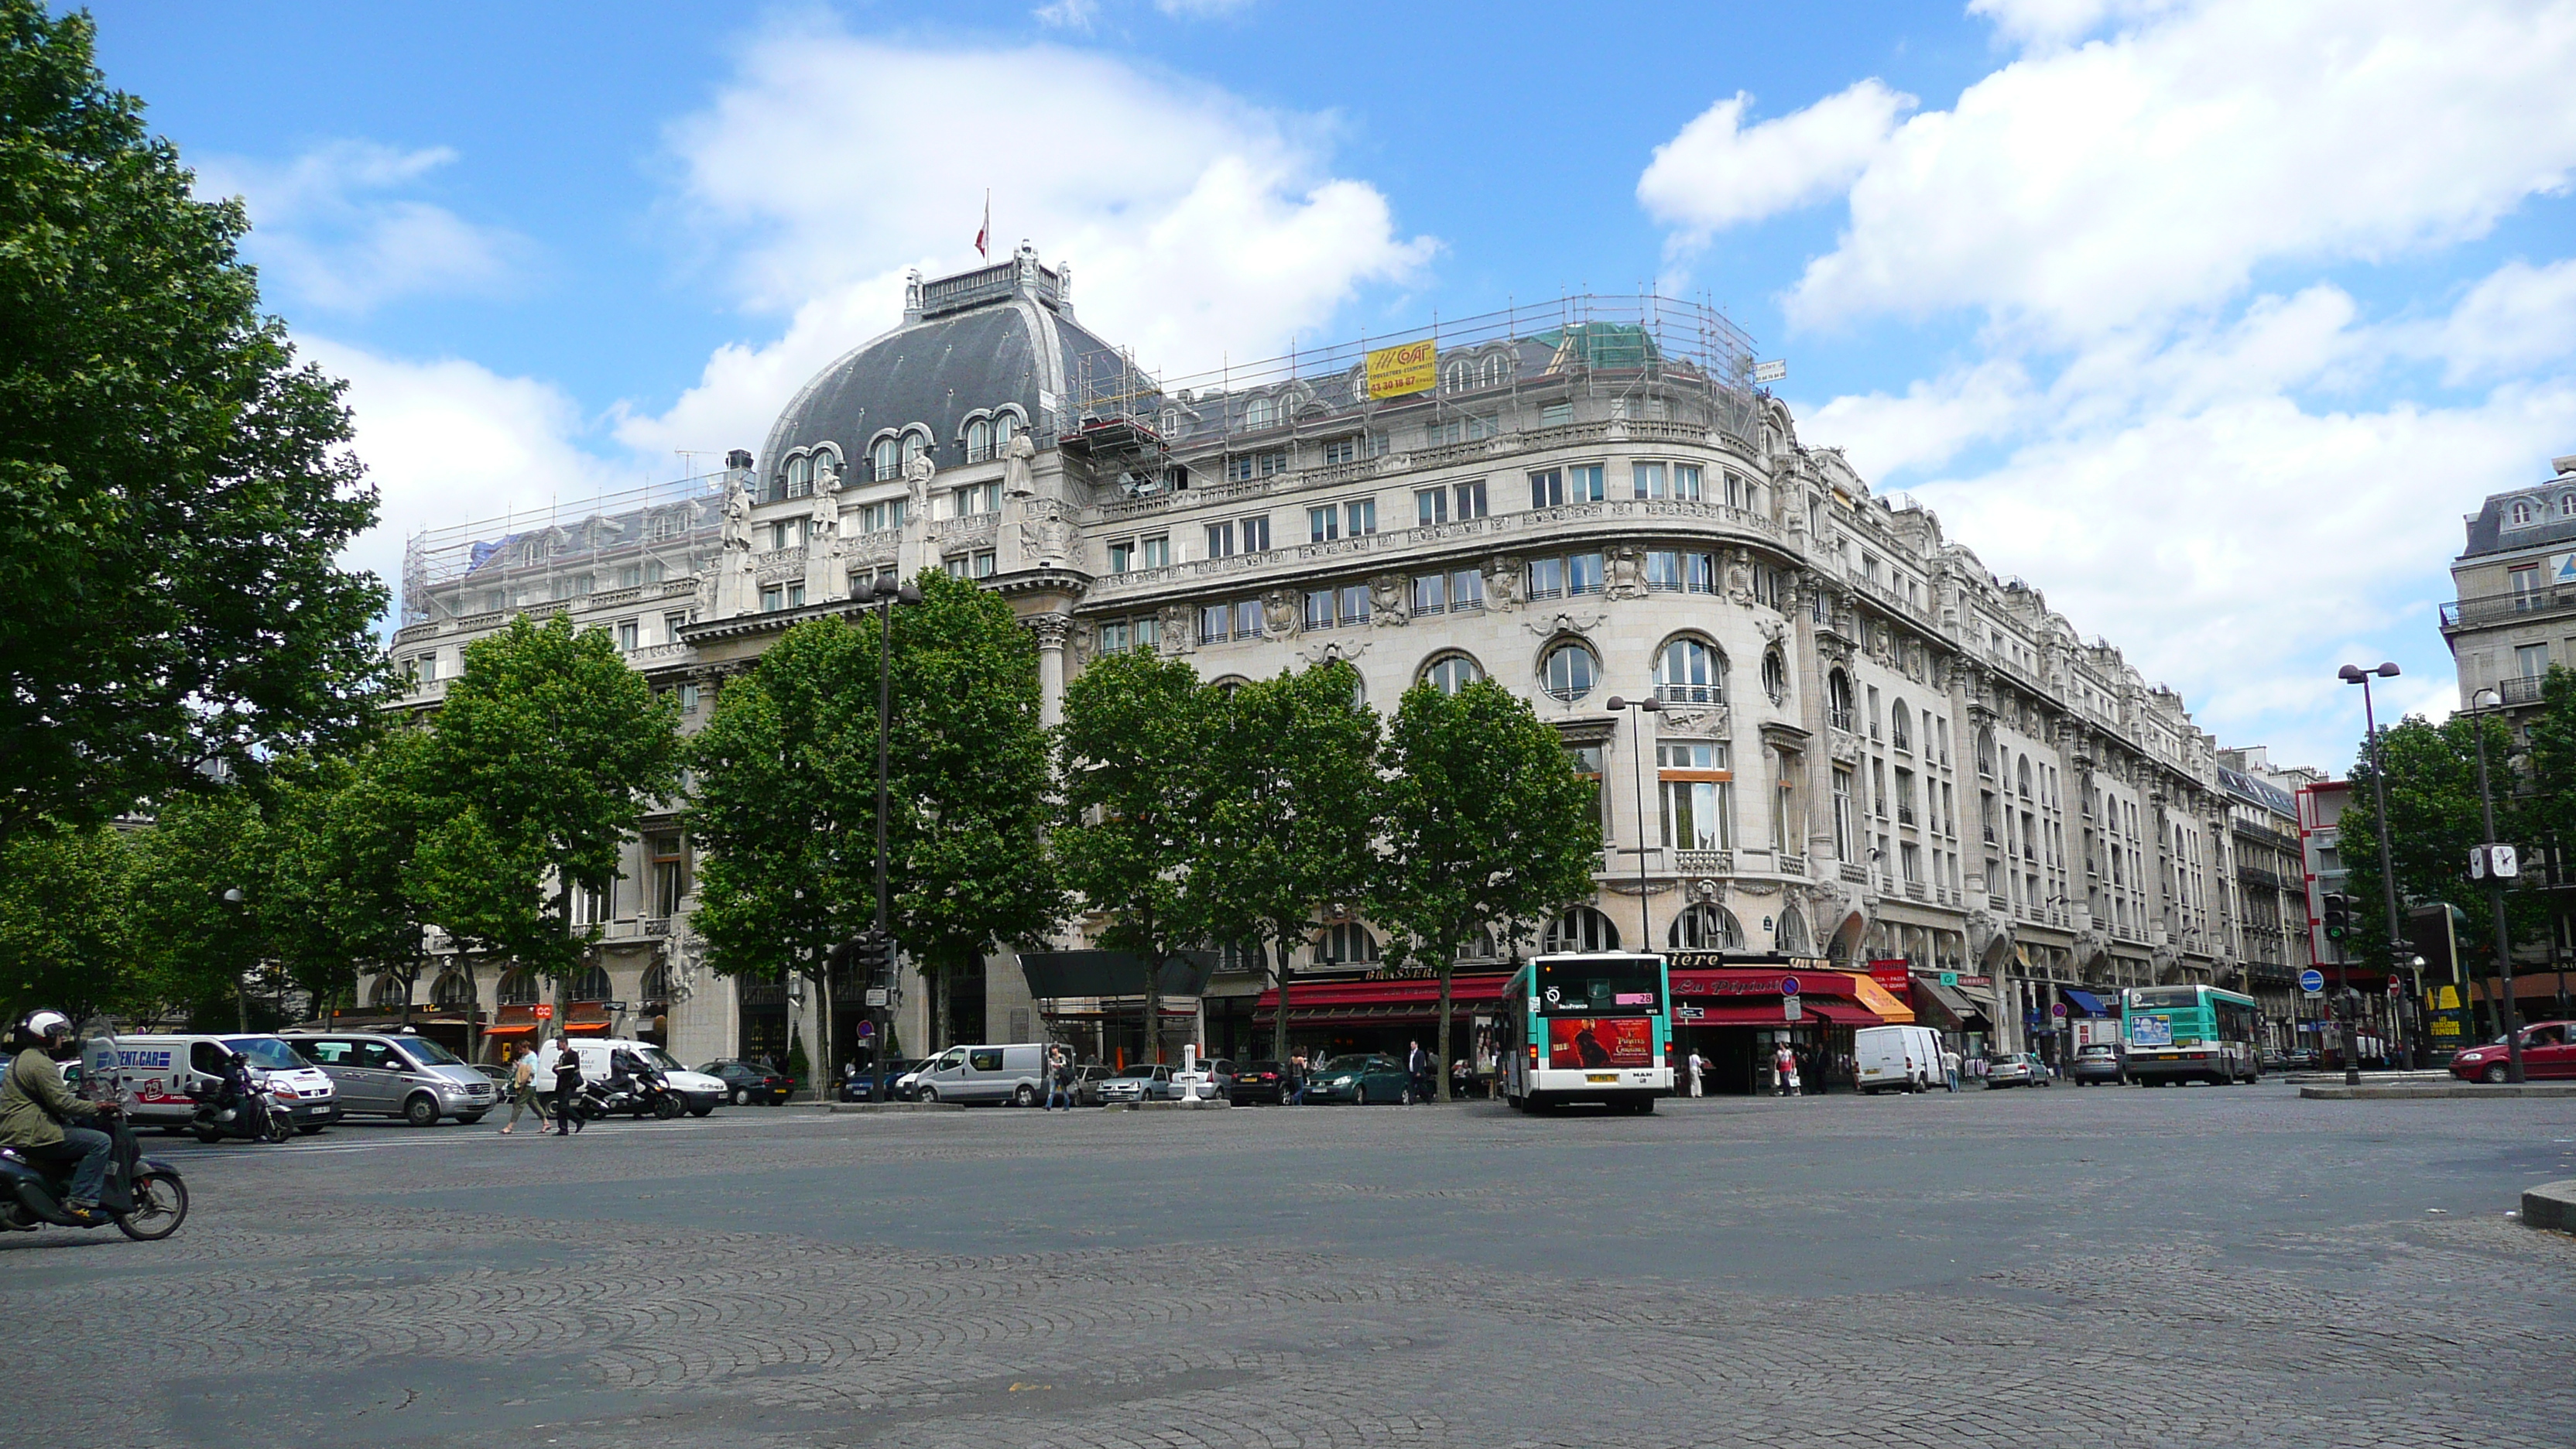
[[1052, 631]]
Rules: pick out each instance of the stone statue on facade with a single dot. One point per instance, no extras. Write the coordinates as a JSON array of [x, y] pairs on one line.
[[917, 472], [1279, 613], [1503, 584], [737, 518], [1627, 572], [1019, 479], [1739, 576], [1386, 601], [827, 502], [1177, 635]]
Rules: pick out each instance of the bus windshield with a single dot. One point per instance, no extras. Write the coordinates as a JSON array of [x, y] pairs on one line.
[[2164, 998], [1600, 986]]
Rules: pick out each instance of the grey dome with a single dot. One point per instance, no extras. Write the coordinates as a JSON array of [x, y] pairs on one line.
[[1001, 337]]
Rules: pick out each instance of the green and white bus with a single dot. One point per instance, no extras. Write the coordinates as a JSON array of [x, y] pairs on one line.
[[1589, 1027], [2190, 1034]]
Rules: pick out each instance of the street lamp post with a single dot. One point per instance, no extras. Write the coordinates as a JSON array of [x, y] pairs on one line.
[[2478, 708], [885, 592], [1637, 774], [2355, 674]]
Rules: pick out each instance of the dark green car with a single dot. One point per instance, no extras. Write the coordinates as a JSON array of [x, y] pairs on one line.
[[1361, 1079]]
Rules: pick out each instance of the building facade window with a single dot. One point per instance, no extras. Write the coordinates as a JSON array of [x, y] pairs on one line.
[[1690, 671], [1696, 791], [1706, 926], [1451, 672], [1323, 524], [1568, 671], [1582, 929], [1469, 498]]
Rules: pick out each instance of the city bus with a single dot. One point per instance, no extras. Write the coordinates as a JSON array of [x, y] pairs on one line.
[[1588, 1027], [2190, 1033]]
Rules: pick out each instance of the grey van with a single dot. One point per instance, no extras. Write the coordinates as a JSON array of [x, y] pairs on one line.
[[383, 1074], [1014, 1072]]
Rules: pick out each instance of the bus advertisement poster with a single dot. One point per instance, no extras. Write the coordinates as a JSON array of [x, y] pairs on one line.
[[1597, 1041]]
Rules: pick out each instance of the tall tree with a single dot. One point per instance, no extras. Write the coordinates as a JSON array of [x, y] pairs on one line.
[[198, 889], [174, 487], [543, 759], [64, 940], [1135, 744], [346, 884], [1486, 825], [1290, 820]]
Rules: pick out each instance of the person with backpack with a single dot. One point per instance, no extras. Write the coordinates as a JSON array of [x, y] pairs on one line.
[[567, 1089]]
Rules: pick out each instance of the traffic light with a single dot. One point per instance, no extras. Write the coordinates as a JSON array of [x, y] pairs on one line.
[[2338, 915]]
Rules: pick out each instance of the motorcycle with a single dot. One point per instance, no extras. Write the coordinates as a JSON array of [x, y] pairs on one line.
[[650, 1093], [145, 1197], [217, 1119]]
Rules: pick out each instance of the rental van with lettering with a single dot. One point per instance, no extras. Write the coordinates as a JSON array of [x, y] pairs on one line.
[[1897, 1059], [161, 1069], [1014, 1072]]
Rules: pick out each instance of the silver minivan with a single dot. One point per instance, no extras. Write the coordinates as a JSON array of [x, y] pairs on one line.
[[1014, 1072], [387, 1074]]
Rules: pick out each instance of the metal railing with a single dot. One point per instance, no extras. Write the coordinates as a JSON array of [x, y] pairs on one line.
[[2488, 609]]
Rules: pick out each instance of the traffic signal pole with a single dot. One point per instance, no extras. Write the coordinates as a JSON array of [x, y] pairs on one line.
[[2387, 883], [2495, 900]]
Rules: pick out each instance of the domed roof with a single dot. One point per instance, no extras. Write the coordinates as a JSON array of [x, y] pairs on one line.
[[974, 343]]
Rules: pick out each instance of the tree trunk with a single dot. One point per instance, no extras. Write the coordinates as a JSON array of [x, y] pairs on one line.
[[1279, 1017], [1440, 1067], [825, 1064], [563, 980], [1153, 1005], [241, 1002]]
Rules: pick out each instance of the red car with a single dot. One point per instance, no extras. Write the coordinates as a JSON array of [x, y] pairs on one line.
[[2548, 1054]]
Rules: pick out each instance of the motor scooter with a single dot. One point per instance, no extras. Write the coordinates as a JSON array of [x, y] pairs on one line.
[[217, 1119], [144, 1196]]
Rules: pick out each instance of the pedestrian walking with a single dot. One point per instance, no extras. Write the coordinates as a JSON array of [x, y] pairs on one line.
[[523, 1090], [1690, 1085], [1784, 1071], [1950, 1067], [1297, 1080], [1059, 1078], [1418, 1063], [567, 1089]]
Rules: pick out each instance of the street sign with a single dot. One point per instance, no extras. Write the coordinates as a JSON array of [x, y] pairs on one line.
[[867, 1028], [2058, 1010], [1790, 1010], [2312, 981], [1788, 986], [1689, 1013], [876, 996], [545, 1011], [2392, 987], [1949, 978], [614, 1005]]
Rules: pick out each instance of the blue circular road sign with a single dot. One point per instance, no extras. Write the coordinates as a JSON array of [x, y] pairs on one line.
[[2312, 980], [1788, 986]]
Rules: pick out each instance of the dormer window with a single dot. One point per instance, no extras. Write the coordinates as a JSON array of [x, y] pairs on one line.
[[885, 460], [2567, 505], [2521, 514], [979, 441]]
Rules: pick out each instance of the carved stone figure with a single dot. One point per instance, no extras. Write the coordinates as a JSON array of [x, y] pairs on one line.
[[1386, 601], [917, 471], [1279, 613], [827, 503], [1627, 572], [1018, 479], [1739, 576], [1178, 636], [737, 517], [1503, 584], [1082, 641]]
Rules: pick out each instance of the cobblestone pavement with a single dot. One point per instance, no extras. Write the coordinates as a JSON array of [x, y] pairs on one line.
[[2105, 1268]]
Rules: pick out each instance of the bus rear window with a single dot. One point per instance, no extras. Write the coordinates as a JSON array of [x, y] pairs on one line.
[[2164, 998], [1609, 986]]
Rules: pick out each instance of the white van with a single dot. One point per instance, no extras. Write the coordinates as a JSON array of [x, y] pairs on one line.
[[159, 1070], [1898, 1058], [1014, 1072], [699, 1090]]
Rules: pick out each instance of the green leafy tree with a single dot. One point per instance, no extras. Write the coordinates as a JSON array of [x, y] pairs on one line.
[[543, 759], [346, 883], [1290, 815], [64, 939], [1486, 826], [1135, 744], [197, 892], [174, 487]]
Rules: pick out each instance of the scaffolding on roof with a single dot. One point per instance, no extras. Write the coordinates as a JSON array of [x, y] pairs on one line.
[[556, 553], [1605, 344]]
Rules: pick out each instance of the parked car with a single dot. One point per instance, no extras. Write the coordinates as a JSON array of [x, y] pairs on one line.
[[1211, 1080], [2548, 1054], [2099, 1062], [1270, 1082], [1086, 1084], [1362, 1079], [1897, 1059], [1144, 1082], [748, 1082], [2015, 1069], [862, 1088]]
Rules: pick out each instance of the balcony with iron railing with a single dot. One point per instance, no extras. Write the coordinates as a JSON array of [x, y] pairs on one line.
[[2498, 608], [2521, 689]]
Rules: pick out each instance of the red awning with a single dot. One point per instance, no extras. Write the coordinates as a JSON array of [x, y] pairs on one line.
[[509, 1030], [1419, 992], [585, 1028], [1735, 1016], [1842, 1013]]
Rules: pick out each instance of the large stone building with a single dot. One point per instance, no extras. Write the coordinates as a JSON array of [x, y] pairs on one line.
[[1872, 748], [2516, 579]]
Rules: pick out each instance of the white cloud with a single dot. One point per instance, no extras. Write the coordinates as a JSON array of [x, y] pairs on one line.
[[451, 442], [1717, 173], [1068, 14], [2055, 22], [1199, 224], [2518, 317], [2078, 192], [325, 232]]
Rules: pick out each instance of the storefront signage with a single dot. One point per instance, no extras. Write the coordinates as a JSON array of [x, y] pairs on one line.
[[544, 1011], [1689, 1013], [1740, 961], [1893, 977]]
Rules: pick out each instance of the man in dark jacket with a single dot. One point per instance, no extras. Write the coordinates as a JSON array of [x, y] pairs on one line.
[[36, 1111], [567, 1089], [1417, 1062]]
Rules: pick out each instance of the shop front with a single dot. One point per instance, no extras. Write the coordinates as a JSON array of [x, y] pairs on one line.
[[1736, 1016], [1947, 1002], [1386, 1014]]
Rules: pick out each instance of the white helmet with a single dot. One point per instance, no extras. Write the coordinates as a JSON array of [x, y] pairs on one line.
[[46, 1025]]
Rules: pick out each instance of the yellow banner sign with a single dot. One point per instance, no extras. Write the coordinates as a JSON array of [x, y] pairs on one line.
[[1407, 368]]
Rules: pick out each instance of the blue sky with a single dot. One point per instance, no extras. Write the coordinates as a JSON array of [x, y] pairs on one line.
[[2208, 320]]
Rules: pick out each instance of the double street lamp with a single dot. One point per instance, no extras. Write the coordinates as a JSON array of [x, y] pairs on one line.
[[885, 591], [2355, 674], [1637, 773]]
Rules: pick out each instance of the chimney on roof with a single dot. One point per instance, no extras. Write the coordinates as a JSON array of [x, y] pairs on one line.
[[2565, 464]]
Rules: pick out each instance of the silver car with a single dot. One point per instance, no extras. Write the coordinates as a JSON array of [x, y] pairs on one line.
[[1144, 1082], [2015, 1069], [388, 1074]]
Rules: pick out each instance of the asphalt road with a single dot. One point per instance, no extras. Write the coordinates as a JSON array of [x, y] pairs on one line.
[[2097, 1267]]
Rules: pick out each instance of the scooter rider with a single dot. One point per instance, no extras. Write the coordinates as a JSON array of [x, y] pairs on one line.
[[35, 1107], [244, 1096]]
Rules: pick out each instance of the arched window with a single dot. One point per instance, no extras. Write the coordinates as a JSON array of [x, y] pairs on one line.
[[915, 443], [2024, 777], [1900, 727], [590, 983], [1458, 376], [1985, 752], [979, 441], [657, 983], [800, 475], [1581, 929], [1451, 672], [885, 460], [453, 988], [2521, 513], [1707, 926], [1838, 700], [1005, 423], [1259, 413], [1497, 369], [518, 988], [1792, 935], [389, 993], [1569, 670], [1349, 941], [1688, 671], [2567, 505], [1775, 675]]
